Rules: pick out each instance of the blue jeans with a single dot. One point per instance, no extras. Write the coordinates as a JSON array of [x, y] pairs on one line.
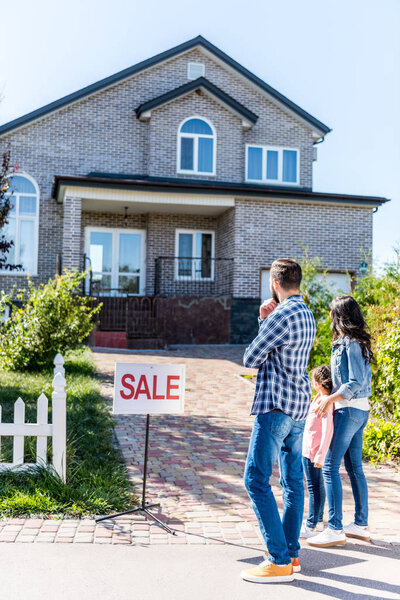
[[276, 436], [316, 492], [348, 427]]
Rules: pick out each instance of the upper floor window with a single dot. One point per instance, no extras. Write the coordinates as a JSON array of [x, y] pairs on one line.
[[196, 153], [269, 164], [22, 227]]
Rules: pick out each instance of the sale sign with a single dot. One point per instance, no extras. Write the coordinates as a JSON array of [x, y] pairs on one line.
[[148, 389]]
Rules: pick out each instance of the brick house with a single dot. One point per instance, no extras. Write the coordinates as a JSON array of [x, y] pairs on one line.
[[178, 181]]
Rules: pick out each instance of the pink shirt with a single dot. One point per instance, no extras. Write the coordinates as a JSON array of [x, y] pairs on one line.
[[317, 435]]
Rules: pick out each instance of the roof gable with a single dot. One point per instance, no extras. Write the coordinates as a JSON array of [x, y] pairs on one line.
[[199, 42], [249, 118]]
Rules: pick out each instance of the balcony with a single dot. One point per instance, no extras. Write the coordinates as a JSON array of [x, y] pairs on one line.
[[193, 277]]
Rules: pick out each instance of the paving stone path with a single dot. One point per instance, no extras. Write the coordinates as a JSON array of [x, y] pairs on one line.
[[196, 464]]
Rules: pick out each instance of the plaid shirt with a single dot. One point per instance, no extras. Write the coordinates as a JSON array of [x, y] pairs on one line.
[[281, 351]]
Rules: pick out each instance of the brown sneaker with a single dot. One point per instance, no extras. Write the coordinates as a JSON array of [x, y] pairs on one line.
[[268, 572], [296, 565]]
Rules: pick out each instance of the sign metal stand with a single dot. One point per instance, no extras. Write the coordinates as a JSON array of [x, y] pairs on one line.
[[143, 506]]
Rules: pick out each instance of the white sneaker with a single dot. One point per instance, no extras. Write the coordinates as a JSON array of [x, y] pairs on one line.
[[320, 526], [306, 532], [327, 538], [357, 531]]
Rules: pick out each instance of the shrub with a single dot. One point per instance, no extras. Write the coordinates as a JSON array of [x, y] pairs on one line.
[[318, 296], [381, 440], [386, 400], [51, 318]]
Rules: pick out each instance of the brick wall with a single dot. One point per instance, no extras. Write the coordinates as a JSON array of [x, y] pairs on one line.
[[266, 230], [102, 133]]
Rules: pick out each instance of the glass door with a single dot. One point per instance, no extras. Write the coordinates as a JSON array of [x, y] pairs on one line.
[[117, 260]]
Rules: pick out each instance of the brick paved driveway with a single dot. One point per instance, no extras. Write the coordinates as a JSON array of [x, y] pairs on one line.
[[196, 464], [197, 459]]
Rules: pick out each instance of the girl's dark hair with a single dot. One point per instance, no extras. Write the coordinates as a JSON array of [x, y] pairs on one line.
[[323, 376], [347, 319]]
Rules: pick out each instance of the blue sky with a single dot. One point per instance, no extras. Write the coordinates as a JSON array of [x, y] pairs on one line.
[[339, 60]]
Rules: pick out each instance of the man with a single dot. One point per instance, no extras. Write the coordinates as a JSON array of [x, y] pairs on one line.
[[281, 402]]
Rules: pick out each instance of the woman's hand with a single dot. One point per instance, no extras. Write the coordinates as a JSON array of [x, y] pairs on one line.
[[323, 405], [317, 466]]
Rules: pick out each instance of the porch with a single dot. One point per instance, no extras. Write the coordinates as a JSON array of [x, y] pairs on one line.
[[161, 263], [193, 308]]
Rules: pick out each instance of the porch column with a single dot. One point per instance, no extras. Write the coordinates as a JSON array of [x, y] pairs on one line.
[[71, 249]]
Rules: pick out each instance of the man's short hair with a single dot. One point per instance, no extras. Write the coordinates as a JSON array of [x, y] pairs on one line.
[[287, 272]]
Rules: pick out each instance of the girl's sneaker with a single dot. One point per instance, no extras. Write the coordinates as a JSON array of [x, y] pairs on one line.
[[327, 538], [320, 526], [357, 531], [306, 532]]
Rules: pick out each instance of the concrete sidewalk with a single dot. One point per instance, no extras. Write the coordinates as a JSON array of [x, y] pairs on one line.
[[61, 572]]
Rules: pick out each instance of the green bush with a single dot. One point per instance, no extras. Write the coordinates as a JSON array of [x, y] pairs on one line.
[[381, 440], [51, 318], [379, 298], [387, 377], [318, 296]]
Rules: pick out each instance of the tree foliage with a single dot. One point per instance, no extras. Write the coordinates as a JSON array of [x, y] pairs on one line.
[[6, 171]]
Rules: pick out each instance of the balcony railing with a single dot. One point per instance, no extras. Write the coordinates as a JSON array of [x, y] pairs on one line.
[[178, 276]]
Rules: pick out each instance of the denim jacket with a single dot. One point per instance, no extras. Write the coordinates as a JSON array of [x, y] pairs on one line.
[[351, 374]]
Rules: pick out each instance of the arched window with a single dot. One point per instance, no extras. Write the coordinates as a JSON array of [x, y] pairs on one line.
[[22, 227], [196, 152]]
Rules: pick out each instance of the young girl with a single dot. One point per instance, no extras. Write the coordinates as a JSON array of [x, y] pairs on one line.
[[351, 378], [316, 440]]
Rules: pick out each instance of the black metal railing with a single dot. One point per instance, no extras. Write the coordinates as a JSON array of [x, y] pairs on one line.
[[138, 316], [182, 276]]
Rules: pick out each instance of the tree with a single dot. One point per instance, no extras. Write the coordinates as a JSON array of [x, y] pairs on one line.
[[5, 206]]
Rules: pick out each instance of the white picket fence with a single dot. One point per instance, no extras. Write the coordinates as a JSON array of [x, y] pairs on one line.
[[41, 429]]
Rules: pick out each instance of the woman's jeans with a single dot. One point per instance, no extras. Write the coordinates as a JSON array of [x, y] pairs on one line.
[[276, 436], [347, 440], [316, 492]]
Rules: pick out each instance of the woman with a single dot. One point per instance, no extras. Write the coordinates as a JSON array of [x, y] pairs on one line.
[[351, 387]]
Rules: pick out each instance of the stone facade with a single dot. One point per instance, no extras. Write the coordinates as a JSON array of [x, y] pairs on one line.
[[101, 133]]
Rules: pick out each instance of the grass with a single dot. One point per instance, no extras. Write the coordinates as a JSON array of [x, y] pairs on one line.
[[97, 481]]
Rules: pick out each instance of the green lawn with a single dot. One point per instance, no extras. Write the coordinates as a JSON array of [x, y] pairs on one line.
[[97, 481]]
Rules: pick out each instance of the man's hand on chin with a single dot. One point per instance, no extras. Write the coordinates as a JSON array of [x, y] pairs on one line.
[[267, 307]]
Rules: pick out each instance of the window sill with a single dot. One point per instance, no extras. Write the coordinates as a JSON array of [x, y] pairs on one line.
[[18, 274], [273, 183], [193, 280], [197, 173]]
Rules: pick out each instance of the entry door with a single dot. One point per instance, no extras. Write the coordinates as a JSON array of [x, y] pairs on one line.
[[117, 258]]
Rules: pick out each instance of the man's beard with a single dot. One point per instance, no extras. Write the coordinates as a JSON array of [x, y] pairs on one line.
[[274, 295]]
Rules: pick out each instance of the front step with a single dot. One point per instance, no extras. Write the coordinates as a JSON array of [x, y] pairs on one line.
[[109, 339]]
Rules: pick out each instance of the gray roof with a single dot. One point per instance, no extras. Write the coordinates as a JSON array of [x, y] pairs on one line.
[[198, 41]]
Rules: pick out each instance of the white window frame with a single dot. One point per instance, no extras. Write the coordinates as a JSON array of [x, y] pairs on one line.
[[115, 257], [196, 136], [15, 196], [197, 64], [193, 277], [280, 150]]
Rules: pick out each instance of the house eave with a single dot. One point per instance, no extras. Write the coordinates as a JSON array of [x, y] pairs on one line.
[[161, 185]]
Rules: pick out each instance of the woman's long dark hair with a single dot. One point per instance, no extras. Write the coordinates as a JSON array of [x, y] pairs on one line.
[[347, 319]]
